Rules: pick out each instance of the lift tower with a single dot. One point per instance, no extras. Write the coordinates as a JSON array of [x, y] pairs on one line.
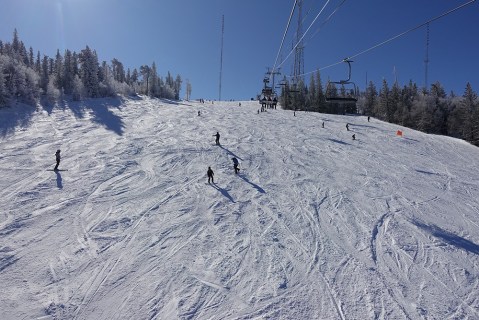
[[298, 69]]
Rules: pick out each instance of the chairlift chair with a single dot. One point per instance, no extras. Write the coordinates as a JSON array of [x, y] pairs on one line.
[[349, 85]]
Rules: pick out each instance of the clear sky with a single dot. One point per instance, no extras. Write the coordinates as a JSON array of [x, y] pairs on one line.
[[184, 37]]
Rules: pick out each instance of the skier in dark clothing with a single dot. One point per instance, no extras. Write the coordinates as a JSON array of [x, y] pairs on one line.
[[347, 126], [217, 135], [57, 158], [368, 118], [236, 165], [354, 137], [210, 175]]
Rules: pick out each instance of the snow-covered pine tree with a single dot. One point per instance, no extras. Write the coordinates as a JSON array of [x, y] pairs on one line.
[[58, 72], [311, 97], [177, 87], [145, 72], [89, 72], [68, 75], [188, 90]]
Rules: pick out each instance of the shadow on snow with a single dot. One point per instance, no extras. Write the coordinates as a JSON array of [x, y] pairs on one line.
[[13, 117], [223, 191], [21, 115], [101, 110], [251, 183], [449, 238]]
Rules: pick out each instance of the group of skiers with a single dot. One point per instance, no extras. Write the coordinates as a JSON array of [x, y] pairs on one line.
[[210, 173]]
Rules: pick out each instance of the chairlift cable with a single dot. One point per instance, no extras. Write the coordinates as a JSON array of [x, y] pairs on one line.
[[326, 21], [284, 35], [413, 29], [395, 37], [299, 41], [304, 19]]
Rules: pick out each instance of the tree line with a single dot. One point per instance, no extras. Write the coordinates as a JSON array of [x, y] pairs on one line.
[[27, 77], [429, 110]]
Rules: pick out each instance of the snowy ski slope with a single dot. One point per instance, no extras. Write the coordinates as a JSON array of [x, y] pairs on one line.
[[315, 226]]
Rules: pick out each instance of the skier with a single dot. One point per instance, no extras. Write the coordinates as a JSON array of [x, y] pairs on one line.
[[199, 113], [347, 126], [354, 137], [217, 135], [57, 158], [368, 118], [323, 124], [236, 165], [210, 175]]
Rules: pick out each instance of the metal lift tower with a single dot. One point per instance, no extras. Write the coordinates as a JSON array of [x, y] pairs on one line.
[[298, 69], [426, 60]]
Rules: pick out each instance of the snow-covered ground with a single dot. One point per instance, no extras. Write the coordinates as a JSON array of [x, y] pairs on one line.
[[315, 226]]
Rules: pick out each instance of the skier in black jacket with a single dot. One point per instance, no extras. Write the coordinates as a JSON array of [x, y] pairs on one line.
[[236, 165], [210, 174], [57, 158], [217, 135]]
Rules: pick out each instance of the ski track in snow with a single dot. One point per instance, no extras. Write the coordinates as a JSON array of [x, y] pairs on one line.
[[315, 225]]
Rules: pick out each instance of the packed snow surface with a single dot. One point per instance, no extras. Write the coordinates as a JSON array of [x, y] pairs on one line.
[[316, 225]]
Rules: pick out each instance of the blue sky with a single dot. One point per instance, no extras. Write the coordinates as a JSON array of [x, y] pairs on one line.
[[184, 36]]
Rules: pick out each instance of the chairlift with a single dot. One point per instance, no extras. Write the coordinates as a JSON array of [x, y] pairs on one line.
[[293, 88], [350, 87]]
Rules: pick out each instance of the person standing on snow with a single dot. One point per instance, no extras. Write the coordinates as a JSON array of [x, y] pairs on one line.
[[236, 165], [217, 135], [210, 174], [57, 158]]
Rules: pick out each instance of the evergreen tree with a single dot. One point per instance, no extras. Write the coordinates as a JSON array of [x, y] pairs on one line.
[[128, 77], [320, 100], [68, 74], [393, 103], [3, 88], [154, 83], [44, 76], [31, 59], [23, 54], [177, 87], [15, 43], [371, 96], [134, 77], [312, 95], [471, 123], [118, 70], [58, 71], [38, 64], [188, 90], [78, 89], [145, 72], [75, 65], [89, 67], [381, 111]]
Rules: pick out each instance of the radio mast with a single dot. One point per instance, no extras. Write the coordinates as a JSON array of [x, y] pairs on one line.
[[221, 56]]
